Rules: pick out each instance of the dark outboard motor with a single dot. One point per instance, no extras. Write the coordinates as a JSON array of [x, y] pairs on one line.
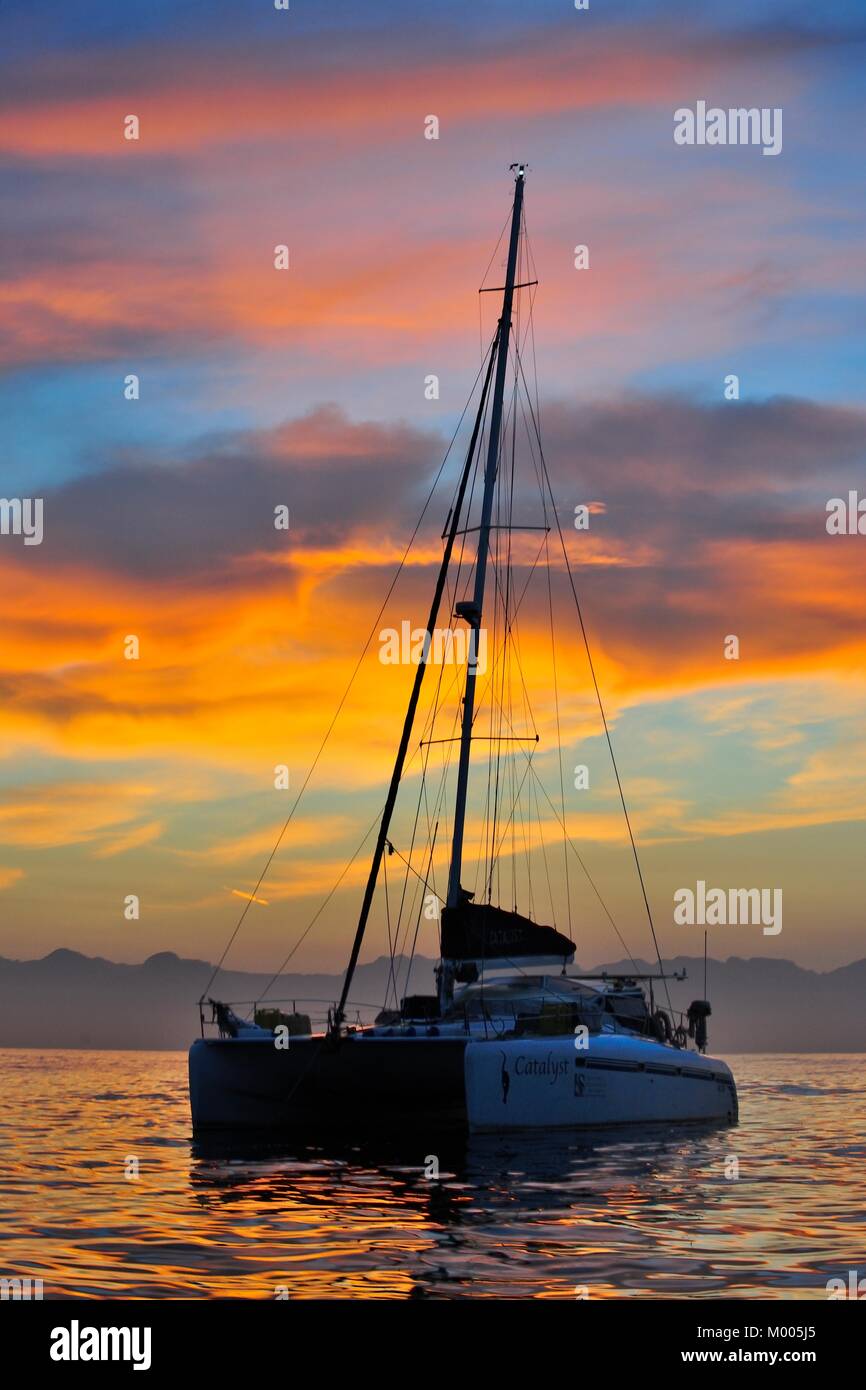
[[698, 1013]]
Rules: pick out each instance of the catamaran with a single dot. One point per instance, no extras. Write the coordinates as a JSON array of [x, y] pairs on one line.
[[510, 1040]]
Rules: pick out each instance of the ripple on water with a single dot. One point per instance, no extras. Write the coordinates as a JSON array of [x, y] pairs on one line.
[[655, 1213]]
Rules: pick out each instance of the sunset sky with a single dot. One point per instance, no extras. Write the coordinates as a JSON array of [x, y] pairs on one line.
[[305, 387]]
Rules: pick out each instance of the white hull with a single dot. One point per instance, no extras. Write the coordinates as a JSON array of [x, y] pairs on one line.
[[540, 1083]]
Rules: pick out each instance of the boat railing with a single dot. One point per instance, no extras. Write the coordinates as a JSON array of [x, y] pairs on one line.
[[507, 1016], [499, 1017], [358, 1013]]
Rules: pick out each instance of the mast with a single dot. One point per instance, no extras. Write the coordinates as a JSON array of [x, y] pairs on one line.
[[472, 612], [397, 773]]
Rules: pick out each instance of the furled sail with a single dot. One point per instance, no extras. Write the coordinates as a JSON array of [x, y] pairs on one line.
[[477, 931]]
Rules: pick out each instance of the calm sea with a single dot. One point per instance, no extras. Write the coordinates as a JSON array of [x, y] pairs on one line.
[[769, 1209]]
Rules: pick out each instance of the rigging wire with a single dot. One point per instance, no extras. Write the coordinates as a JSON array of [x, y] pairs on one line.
[[320, 909], [499, 714], [556, 707], [598, 697], [420, 910], [388, 923], [575, 851], [483, 278], [348, 688]]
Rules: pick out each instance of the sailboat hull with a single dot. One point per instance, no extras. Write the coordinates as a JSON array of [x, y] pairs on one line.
[[618, 1079], [363, 1083], [355, 1083]]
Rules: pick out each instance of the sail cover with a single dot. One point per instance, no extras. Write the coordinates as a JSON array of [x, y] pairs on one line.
[[477, 931]]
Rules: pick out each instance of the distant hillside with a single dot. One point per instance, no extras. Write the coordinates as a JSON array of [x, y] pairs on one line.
[[70, 1000]]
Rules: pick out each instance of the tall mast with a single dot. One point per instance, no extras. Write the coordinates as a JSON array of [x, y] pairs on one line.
[[473, 612]]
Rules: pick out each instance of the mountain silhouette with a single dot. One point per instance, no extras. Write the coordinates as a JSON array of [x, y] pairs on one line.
[[67, 999]]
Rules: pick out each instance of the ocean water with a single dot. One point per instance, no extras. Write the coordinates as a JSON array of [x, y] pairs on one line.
[[104, 1195]]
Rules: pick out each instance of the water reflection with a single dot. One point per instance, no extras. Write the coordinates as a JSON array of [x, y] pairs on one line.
[[771, 1208], [521, 1215]]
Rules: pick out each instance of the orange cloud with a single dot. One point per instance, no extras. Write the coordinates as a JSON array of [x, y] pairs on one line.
[[133, 838], [210, 118], [187, 102], [220, 669], [244, 656], [74, 813]]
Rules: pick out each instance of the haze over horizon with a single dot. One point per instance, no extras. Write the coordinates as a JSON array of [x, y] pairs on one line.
[[306, 388], [758, 1005]]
